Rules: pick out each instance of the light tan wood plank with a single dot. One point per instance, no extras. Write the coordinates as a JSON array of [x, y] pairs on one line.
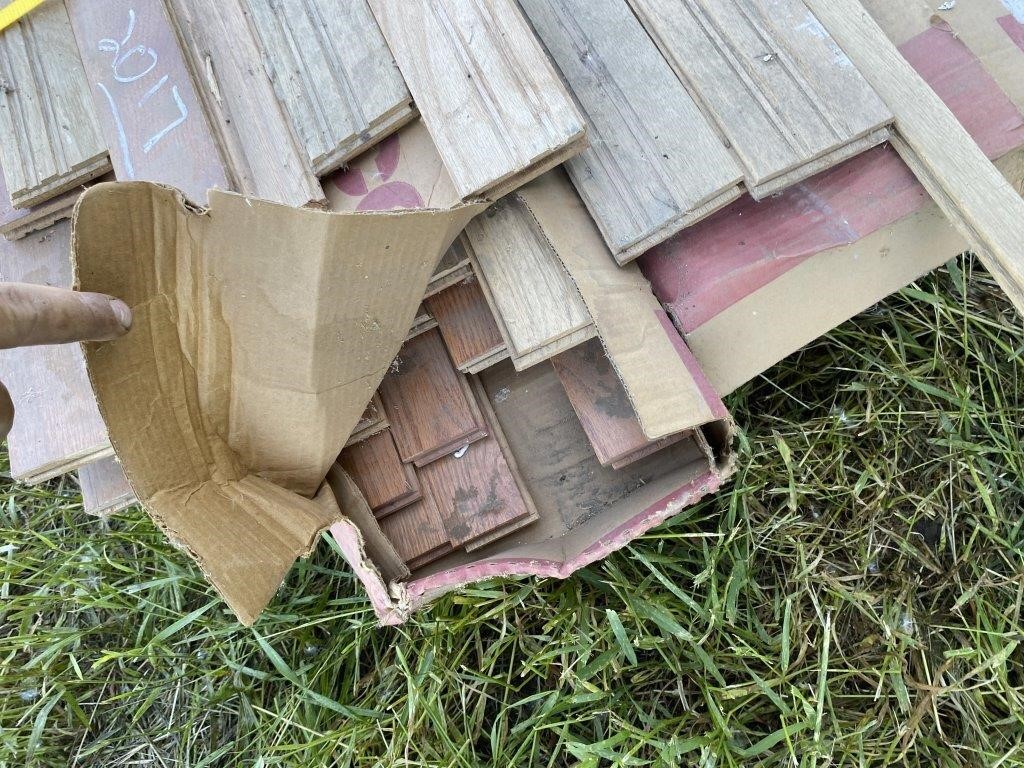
[[780, 89], [533, 297], [239, 98], [49, 135], [490, 98], [334, 75], [149, 111], [105, 489], [57, 426], [655, 163], [972, 193]]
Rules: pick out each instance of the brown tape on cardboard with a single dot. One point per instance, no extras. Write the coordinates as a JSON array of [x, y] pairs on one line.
[[260, 334]]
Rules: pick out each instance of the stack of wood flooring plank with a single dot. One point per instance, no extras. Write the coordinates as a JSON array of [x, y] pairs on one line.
[[438, 477], [662, 112]]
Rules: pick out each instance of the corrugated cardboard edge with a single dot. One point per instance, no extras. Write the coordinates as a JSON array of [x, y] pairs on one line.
[[626, 315], [242, 530]]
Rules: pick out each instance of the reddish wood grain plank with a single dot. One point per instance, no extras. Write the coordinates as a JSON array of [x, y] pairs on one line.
[[417, 533], [476, 493], [603, 407], [147, 104], [429, 404], [385, 482], [466, 323]]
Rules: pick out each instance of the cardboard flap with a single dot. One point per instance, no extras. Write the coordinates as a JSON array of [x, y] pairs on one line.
[[666, 387], [260, 334]]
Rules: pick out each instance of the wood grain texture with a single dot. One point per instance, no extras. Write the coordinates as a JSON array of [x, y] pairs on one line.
[[534, 300], [49, 136], [334, 75], [429, 404], [466, 323], [603, 408], [385, 482], [417, 533], [239, 98], [655, 163], [490, 98], [475, 493], [57, 426], [150, 115], [972, 193], [371, 422], [105, 489], [781, 90], [16, 223]]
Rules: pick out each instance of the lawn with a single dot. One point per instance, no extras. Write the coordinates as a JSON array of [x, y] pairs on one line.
[[853, 597]]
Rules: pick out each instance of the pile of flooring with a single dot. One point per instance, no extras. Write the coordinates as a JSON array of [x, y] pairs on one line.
[[542, 384]]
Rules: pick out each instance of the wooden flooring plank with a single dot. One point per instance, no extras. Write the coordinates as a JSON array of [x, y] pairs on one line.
[[49, 135], [972, 193], [227, 68], [534, 300], [417, 533], [371, 422], [779, 87], [466, 323], [655, 163], [57, 426], [105, 489], [385, 482], [428, 403], [16, 223], [490, 98], [150, 114], [603, 407], [475, 492], [334, 75]]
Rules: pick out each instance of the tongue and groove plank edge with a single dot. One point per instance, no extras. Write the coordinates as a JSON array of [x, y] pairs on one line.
[[783, 93], [250, 126], [496, 108], [333, 74], [968, 188], [49, 135], [655, 163]]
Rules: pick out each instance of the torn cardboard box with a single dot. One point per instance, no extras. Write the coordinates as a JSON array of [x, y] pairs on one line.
[[260, 334]]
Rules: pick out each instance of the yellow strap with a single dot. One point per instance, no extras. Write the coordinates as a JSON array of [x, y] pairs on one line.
[[18, 8]]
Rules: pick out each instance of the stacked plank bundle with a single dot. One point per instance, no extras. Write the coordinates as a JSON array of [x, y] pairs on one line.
[[596, 130]]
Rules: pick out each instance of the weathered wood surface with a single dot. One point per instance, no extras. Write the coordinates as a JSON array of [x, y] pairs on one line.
[[972, 193], [603, 407], [249, 123], [385, 482], [779, 87], [429, 404], [466, 324], [494, 105], [534, 300], [149, 111], [16, 223], [105, 489], [49, 136], [655, 163], [334, 75], [57, 426]]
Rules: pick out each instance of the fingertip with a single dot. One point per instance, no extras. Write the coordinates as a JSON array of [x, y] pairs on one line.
[[122, 312]]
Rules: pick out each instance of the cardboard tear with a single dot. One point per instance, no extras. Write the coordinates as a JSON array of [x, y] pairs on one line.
[[260, 334]]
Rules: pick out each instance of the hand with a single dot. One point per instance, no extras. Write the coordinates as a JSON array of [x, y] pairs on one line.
[[31, 315]]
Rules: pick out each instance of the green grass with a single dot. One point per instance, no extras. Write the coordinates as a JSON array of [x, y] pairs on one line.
[[853, 598]]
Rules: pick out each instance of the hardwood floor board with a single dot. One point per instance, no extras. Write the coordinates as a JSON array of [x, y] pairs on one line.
[[466, 323], [386, 483]]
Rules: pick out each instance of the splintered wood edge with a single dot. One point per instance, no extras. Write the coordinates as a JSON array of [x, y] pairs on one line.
[[510, 184], [556, 347], [93, 169], [387, 124], [448, 278]]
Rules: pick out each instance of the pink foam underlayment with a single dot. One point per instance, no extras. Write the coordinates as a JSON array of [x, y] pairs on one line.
[[1014, 29], [712, 265]]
